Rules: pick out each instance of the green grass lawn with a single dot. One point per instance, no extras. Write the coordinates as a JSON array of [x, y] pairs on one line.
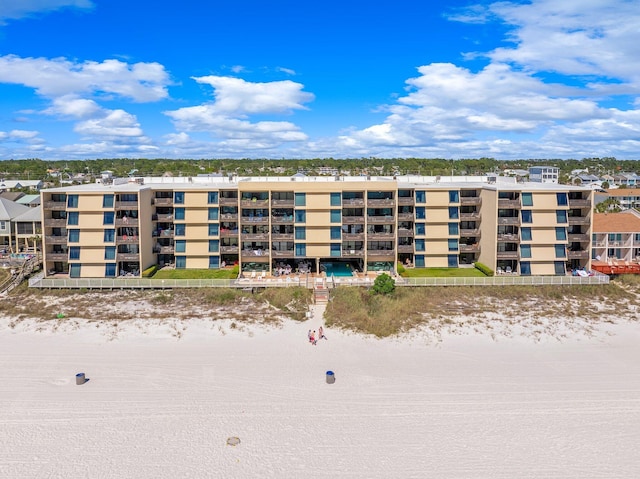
[[196, 274], [443, 273]]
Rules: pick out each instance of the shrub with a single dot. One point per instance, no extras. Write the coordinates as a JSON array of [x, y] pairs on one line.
[[401, 269], [235, 271], [484, 269], [383, 284], [149, 272]]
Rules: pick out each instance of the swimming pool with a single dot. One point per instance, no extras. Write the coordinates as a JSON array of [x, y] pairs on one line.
[[337, 269]]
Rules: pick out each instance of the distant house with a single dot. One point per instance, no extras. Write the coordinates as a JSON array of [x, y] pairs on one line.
[[616, 236], [28, 230], [9, 210], [544, 174], [585, 179], [627, 197], [8, 185], [31, 201]]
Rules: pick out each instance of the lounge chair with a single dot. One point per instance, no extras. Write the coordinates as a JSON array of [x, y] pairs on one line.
[[253, 275], [498, 270], [508, 270]]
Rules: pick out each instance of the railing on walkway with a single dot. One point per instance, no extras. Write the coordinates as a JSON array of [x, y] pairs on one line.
[[332, 282]]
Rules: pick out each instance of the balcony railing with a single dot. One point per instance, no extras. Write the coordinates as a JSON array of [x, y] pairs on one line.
[[353, 236], [167, 249], [469, 248], [57, 256], [229, 216], [127, 239], [128, 257], [286, 219], [255, 236], [282, 236], [283, 254], [163, 201], [259, 220], [282, 203], [352, 220], [55, 239], [381, 236], [579, 203], [470, 232], [126, 205], [55, 205], [55, 222], [381, 219], [582, 254], [162, 217], [126, 222], [405, 216], [507, 255], [579, 220], [470, 200], [381, 252], [253, 253], [254, 203], [509, 220], [578, 237], [353, 202], [228, 201], [406, 200], [229, 249], [509, 237], [509, 204], [352, 253], [472, 215], [381, 202], [224, 233], [404, 232], [405, 248]]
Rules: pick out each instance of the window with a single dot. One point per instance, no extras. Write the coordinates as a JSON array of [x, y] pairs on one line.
[[336, 199], [74, 270], [559, 267], [525, 268], [301, 249], [562, 199], [181, 262], [336, 232], [301, 199], [452, 244], [453, 213], [110, 252], [301, 232], [419, 244], [178, 197], [178, 213], [214, 246], [452, 261], [419, 260], [213, 229], [420, 213], [74, 236], [110, 270], [561, 251], [453, 229], [107, 201], [212, 198], [454, 196], [420, 198], [527, 199], [525, 251], [527, 216], [72, 201], [72, 217], [108, 217], [420, 228], [109, 236], [336, 216], [561, 234], [181, 229], [213, 214], [214, 262], [74, 252], [336, 249], [525, 233], [181, 246], [300, 216], [561, 216], [3, 225]]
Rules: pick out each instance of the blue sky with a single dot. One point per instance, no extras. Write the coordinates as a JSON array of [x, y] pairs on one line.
[[83, 79]]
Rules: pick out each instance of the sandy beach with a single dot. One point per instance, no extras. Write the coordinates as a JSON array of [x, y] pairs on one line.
[[467, 405]]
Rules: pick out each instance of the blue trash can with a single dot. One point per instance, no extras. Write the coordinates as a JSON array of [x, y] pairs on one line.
[[80, 379], [331, 378]]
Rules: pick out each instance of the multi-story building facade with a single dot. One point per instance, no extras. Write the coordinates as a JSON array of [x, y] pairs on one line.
[[125, 226], [616, 236]]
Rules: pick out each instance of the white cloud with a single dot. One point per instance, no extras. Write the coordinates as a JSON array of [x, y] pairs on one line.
[[15, 9], [19, 135], [141, 82], [116, 124]]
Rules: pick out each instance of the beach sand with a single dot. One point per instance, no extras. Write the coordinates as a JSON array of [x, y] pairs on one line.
[[162, 404]]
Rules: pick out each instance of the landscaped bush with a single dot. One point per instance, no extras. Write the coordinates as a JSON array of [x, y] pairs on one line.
[[484, 269], [401, 269], [149, 272]]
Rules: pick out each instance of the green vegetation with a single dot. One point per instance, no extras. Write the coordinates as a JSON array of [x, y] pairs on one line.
[[196, 274], [383, 284], [443, 273], [484, 269], [149, 272]]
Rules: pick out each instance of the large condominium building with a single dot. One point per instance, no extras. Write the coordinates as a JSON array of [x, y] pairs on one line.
[[123, 226]]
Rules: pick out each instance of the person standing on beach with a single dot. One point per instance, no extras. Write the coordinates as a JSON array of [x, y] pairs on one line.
[[312, 338], [321, 333]]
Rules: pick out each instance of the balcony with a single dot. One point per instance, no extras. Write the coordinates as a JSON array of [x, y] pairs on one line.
[[282, 236], [381, 253], [166, 234], [57, 256], [255, 220], [508, 255], [579, 220], [405, 216], [55, 205], [509, 220], [126, 221], [578, 237], [166, 250], [352, 202], [469, 248], [381, 236], [225, 233], [353, 253], [229, 217], [228, 201], [508, 204], [470, 232], [162, 217], [229, 249], [255, 236], [56, 222], [283, 203], [283, 254], [126, 205], [163, 201], [254, 203], [473, 215], [404, 232], [55, 239], [279, 220], [380, 219], [381, 203], [406, 200], [127, 239], [352, 220], [128, 257], [581, 254], [405, 248], [254, 253], [470, 200], [508, 237], [579, 203]]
